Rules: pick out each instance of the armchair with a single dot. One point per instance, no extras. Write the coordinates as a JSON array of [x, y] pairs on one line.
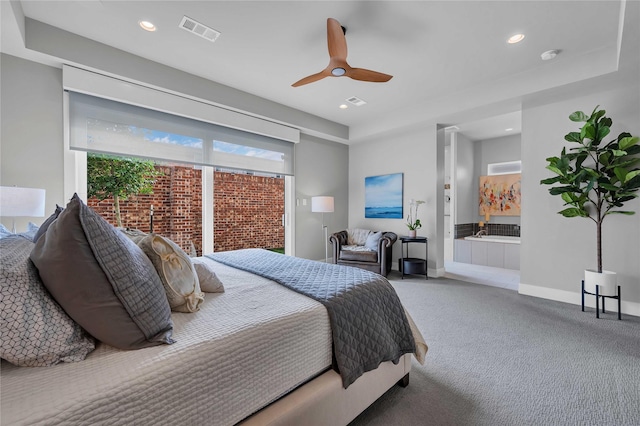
[[350, 248]]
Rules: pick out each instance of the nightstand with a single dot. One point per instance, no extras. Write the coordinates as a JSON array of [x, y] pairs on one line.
[[412, 265]]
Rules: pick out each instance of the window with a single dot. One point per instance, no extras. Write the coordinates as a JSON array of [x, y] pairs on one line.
[[505, 168], [101, 125]]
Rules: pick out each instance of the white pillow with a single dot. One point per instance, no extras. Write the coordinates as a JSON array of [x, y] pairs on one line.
[[209, 281], [372, 241], [357, 236], [176, 272]]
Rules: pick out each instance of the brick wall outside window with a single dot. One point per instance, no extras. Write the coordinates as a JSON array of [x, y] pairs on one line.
[[247, 209]]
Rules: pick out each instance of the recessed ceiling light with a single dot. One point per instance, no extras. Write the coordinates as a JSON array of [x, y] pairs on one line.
[[516, 38], [549, 54], [146, 25], [508, 130], [344, 106]]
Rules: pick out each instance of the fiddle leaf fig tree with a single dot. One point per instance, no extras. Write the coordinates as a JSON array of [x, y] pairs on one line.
[[595, 179], [118, 178]]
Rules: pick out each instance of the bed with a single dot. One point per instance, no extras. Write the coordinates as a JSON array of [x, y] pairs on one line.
[[258, 353]]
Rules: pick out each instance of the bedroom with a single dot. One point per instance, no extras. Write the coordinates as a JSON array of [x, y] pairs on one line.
[[33, 130]]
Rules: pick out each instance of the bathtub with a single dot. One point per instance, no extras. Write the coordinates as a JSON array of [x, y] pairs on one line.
[[495, 239], [499, 251]]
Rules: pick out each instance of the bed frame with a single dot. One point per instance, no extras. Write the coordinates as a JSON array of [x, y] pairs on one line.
[[323, 401]]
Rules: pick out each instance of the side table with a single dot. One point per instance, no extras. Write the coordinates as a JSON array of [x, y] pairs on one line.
[[412, 265]]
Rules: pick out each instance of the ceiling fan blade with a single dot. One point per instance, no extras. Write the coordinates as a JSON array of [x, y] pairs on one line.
[[368, 75], [336, 40], [310, 79], [338, 66]]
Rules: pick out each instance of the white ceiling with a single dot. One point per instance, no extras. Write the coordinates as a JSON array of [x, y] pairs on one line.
[[492, 127], [446, 57]]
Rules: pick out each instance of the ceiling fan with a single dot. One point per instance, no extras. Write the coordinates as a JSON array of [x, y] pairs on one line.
[[338, 66]]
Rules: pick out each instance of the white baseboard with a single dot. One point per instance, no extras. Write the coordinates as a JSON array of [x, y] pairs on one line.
[[436, 273], [628, 308]]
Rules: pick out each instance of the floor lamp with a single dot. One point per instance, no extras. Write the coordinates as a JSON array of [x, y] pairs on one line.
[[323, 205], [21, 202]]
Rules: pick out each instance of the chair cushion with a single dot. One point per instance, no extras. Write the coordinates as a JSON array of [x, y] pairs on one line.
[[358, 253]]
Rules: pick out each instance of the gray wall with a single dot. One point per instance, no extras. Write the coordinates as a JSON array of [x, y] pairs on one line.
[[419, 154], [322, 168], [466, 181], [31, 135], [74, 49], [556, 250], [31, 152], [496, 150]]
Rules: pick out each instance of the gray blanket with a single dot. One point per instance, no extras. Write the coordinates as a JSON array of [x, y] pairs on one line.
[[367, 319]]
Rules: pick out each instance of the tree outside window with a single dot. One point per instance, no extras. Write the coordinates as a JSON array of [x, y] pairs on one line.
[[119, 178]]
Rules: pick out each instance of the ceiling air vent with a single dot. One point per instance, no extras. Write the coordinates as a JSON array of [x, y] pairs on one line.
[[198, 29], [356, 101]]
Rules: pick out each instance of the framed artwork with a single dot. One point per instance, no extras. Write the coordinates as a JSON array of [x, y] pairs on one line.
[[500, 195], [383, 196]]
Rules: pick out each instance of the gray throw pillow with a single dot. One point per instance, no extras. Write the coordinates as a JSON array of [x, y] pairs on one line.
[[34, 330], [134, 235], [103, 280], [43, 228], [372, 241]]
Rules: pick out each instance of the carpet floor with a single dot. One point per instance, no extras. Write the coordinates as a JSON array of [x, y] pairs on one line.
[[500, 358]]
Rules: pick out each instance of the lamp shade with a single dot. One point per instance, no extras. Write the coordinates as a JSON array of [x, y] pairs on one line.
[[322, 204], [21, 202]]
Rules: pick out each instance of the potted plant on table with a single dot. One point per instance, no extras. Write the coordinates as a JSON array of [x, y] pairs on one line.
[[595, 180], [413, 223]]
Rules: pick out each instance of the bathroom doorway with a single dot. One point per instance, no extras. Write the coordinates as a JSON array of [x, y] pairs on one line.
[[469, 150]]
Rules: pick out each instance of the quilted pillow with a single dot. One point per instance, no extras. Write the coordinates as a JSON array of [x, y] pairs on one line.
[[32, 228], [357, 236], [103, 280], [47, 223], [209, 281], [4, 232], [34, 330], [176, 272]]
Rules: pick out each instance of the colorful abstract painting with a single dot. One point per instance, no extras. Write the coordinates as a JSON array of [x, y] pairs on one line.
[[500, 195], [383, 196]]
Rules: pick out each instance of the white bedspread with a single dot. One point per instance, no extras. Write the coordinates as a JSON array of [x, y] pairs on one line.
[[244, 349]]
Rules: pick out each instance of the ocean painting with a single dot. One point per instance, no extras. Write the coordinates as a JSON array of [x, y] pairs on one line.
[[383, 196]]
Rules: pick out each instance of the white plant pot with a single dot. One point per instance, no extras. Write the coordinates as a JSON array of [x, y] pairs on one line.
[[607, 280]]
